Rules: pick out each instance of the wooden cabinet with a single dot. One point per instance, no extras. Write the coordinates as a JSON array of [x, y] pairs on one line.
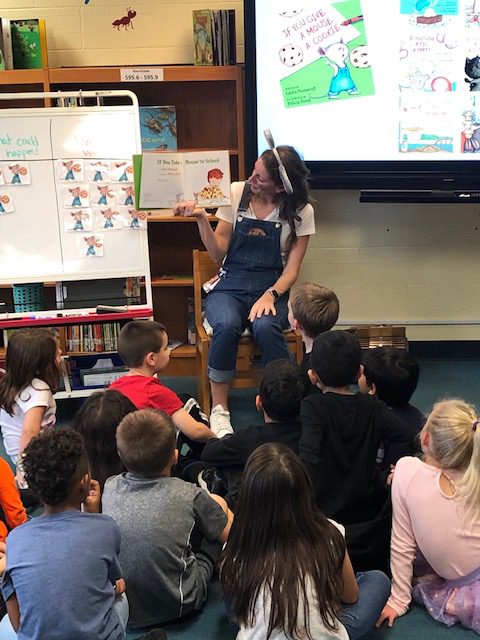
[[210, 115]]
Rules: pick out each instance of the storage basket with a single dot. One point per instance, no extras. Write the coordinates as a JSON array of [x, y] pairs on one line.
[[28, 297]]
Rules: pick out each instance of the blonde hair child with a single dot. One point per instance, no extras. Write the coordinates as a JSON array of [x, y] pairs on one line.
[[436, 521]]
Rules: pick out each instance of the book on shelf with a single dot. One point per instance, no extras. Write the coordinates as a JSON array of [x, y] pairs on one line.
[[92, 337], [214, 36], [6, 43], [158, 128], [29, 43], [167, 178]]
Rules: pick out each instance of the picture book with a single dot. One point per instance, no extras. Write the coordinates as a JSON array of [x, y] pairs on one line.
[[158, 128], [167, 178], [6, 43], [214, 36], [29, 43], [202, 37]]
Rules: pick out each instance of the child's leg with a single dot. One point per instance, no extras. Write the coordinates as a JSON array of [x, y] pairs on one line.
[[6, 630], [120, 606], [359, 618]]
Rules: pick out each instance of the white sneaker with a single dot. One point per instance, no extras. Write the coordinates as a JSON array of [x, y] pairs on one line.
[[220, 421]]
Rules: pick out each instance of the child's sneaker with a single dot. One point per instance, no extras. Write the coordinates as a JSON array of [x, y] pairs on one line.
[[220, 421]]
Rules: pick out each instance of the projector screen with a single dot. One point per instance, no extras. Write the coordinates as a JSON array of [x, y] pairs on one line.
[[373, 93]]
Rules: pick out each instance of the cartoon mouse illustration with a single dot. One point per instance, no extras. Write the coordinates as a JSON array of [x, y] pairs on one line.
[[337, 54]]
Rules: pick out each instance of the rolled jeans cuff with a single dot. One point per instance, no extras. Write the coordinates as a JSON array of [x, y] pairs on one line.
[[216, 375]]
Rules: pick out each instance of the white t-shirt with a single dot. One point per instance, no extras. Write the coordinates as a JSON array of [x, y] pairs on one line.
[[37, 394], [318, 630], [303, 227]]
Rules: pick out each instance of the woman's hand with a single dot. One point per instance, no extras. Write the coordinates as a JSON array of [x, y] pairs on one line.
[[263, 307], [188, 209], [388, 614]]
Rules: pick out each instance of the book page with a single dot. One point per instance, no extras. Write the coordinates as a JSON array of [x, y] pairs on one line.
[[161, 184]]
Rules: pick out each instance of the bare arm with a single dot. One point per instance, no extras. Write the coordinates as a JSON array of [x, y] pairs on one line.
[[190, 427], [350, 591], [13, 611], [216, 241], [31, 426], [266, 304], [223, 537]]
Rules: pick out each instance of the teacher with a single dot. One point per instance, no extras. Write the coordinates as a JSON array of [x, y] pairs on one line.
[[262, 239]]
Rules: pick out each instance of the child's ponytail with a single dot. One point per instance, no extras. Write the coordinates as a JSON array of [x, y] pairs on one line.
[[470, 487], [453, 427]]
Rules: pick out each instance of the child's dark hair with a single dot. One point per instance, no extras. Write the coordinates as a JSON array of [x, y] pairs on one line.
[[279, 541], [281, 390], [298, 175], [97, 421], [146, 440], [315, 307], [31, 353], [336, 357], [53, 461], [393, 372], [137, 339]]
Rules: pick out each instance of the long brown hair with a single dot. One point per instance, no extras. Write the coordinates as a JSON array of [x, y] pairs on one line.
[[280, 542], [298, 174], [31, 353]]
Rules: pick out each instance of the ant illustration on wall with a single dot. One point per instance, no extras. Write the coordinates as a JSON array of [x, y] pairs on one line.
[[126, 20]]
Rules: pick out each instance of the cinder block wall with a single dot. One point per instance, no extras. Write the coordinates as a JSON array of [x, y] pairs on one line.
[[405, 263]]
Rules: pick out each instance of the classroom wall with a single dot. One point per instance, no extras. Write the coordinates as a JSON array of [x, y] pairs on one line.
[[405, 263]]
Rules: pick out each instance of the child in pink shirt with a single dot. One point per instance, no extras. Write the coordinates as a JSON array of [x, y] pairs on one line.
[[436, 521]]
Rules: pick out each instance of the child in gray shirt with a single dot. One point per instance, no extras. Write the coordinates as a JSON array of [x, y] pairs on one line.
[[160, 517]]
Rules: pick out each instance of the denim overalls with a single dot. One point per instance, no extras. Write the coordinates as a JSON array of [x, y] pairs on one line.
[[253, 264]]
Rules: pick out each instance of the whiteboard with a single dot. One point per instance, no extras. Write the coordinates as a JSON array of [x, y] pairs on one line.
[[37, 241]]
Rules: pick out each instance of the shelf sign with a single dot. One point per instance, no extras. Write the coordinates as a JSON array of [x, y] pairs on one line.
[[155, 74]]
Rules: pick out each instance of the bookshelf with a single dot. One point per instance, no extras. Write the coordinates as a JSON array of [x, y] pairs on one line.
[[209, 103]]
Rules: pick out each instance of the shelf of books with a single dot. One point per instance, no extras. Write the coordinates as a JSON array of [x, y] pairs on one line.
[[89, 346]]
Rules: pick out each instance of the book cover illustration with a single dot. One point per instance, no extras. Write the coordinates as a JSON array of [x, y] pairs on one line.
[[167, 178], [29, 44], [202, 37], [158, 128], [321, 53], [6, 43]]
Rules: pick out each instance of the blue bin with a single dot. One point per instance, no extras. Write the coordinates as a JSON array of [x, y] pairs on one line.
[[28, 297]]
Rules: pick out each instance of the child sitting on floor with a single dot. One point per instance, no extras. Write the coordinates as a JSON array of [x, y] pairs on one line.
[[27, 405], [392, 376], [285, 571], [167, 570], [312, 309], [280, 393], [62, 573], [97, 421], [436, 521], [341, 433]]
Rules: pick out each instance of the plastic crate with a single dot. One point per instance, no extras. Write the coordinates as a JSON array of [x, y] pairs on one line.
[[28, 297]]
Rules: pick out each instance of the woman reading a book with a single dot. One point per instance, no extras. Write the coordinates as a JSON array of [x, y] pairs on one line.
[[261, 239]]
